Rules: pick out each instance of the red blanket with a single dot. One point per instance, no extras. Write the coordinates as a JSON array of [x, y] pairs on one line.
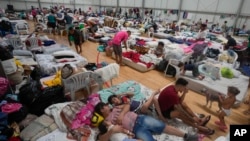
[[135, 57]]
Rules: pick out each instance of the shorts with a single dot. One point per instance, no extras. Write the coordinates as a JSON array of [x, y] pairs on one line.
[[167, 114], [51, 25], [146, 126], [117, 49], [77, 42]]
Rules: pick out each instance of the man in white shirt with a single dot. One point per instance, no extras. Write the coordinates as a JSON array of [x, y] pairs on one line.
[[201, 36]]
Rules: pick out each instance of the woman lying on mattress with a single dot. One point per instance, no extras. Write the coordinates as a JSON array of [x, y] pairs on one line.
[[142, 126]]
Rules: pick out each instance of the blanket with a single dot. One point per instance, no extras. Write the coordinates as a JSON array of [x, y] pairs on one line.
[[135, 57], [129, 86]]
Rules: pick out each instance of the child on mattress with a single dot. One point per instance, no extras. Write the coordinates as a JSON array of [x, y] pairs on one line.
[[159, 50], [190, 67], [136, 106], [226, 104]]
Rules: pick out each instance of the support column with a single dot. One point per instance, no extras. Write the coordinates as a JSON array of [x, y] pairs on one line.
[[238, 13], [179, 10], [143, 8], [74, 4], [39, 3], [216, 11]]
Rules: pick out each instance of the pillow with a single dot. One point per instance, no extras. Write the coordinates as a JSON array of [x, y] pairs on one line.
[[22, 53], [64, 53]]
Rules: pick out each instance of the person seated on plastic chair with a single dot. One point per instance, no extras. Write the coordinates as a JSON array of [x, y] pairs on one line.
[[191, 67], [230, 43]]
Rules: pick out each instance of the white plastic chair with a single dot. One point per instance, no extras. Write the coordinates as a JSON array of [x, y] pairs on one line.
[[174, 63], [34, 44], [234, 63], [81, 80], [16, 42], [22, 28]]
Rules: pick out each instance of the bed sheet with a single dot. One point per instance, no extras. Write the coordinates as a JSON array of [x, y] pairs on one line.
[[162, 35], [218, 86], [53, 48], [49, 66]]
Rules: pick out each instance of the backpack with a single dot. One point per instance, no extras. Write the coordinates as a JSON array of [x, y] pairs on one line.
[[162, 65], [171, 71], [4, 83], [29, 92], [5, 131], [49, 96]]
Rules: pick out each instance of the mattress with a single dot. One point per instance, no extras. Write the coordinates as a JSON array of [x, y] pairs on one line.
[[53, 48], [162, 35], [49, 66], [218, 86], [137, 66]]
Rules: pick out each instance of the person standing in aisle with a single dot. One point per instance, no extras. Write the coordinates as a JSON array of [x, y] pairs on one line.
[[68, 20], [52, 21], [77, 36], [121, 36], [224, 29]]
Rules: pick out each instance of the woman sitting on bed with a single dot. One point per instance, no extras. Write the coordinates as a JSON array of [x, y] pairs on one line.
[[190, 67], [159, 50]]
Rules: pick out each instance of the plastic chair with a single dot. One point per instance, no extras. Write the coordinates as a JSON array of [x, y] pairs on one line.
[[34, 44], [234, 62], [16, 42], [81, 80], [174, 63], [22, 28]]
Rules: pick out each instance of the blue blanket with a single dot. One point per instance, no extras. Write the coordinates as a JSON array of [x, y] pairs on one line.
[[128, 86]]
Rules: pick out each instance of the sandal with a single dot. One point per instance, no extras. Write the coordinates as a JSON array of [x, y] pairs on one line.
[[208, 132], [206, 121], [223, 127], [247, 112]]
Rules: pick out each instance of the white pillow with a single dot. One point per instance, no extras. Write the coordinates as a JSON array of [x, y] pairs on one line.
[[64, 53]]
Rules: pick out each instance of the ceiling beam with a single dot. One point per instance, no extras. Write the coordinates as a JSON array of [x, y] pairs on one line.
[[179, 10]]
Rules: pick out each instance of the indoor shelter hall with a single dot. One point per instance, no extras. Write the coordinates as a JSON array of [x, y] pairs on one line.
[[183, 65]]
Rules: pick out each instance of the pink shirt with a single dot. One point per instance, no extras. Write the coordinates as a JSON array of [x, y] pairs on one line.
[[128, 120], [120, 37]]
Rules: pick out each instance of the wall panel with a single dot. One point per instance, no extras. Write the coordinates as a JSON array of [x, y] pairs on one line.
[[207, 5], [4, 4], [173, 4], [228, 6], [246, 8], [190, 5]]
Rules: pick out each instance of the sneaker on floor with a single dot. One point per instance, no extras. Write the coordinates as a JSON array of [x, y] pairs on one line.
[[190, 137]]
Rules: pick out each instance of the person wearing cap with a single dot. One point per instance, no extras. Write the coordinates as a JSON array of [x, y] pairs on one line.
[[142, 126]]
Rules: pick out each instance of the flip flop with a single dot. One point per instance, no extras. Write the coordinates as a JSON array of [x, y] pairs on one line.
[[247, 112], [209, 132], [246, 102], [207, 120]]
